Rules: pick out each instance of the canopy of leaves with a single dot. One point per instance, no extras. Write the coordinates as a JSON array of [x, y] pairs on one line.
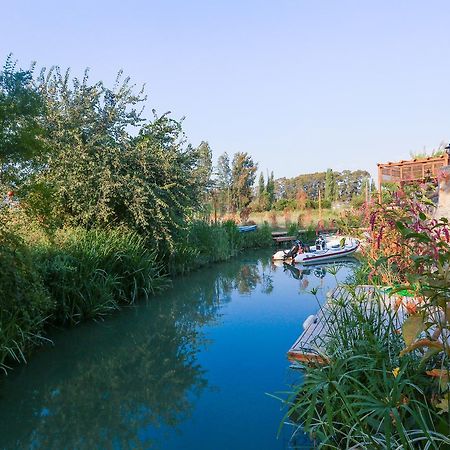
[[243, 176], [21, 109], [104, 164], [343, 185]]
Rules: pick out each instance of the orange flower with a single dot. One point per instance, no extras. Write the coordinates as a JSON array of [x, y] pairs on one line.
[[411, 307]]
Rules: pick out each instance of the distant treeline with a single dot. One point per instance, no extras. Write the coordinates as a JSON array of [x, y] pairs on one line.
[[303, 190], [233, 189]]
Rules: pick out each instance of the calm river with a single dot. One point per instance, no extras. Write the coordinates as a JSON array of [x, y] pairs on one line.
[[189, 370]]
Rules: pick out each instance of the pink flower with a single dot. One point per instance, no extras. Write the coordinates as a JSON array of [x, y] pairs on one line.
[[380, 236]]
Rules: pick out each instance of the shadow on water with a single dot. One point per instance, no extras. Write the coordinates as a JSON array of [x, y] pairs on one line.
[[111, 384]]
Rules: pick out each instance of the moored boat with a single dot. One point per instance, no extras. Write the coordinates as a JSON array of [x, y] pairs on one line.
[[323, 251], [247, 228], [327, 253]]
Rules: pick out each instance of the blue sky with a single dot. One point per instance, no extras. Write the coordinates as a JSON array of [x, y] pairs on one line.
[[300, 85]]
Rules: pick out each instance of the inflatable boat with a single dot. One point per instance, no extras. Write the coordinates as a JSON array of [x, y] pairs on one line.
[[321, 252]]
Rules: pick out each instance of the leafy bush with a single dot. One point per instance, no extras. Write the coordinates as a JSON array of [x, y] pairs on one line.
[[367, 396], [283, 203], [314, 204], [89, 273], [260, 238], [358, 201], [292, 229], [24, 303], [309, 235]]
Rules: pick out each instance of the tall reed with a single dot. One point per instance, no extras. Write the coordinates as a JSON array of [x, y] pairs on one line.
[[24, 302], [91, 272], [367, 397]]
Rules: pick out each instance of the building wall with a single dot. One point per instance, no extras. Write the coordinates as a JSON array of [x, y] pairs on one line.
[[443, 207]]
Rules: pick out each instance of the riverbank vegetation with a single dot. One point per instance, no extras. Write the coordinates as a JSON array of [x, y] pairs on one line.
[[101, 205], [387, 387]]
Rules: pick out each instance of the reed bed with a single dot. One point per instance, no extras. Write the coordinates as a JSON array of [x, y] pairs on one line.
[[73, 274], [367, 397]]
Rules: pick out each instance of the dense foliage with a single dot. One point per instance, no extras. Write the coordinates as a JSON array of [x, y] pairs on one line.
[[333, 185], [24, 301], [21, 107], [368, 396], [384, 386], [103, 203]]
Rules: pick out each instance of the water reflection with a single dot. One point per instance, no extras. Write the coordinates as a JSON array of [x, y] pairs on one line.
[[121, 383], [117, 384], [105, 383], [306, 274]]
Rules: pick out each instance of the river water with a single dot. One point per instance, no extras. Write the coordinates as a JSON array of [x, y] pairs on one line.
[[189, 369]]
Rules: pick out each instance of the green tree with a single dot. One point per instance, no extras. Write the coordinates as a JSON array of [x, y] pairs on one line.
[[98, 174], [330, 186], [204, 169], [262, 202], [270, 191], [243, 176], [344, 184], [21, 110], [261, 185], [223, 176]]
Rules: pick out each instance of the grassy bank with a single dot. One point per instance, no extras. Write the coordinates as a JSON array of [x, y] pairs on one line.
[[74, 274], [301, 218], [202, 244], [368, 396], [386, 386]]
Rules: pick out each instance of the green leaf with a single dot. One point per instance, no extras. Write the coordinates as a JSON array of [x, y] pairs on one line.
[[443, 404], [381, 261], [429, 354], [421, 237], [412, 327]]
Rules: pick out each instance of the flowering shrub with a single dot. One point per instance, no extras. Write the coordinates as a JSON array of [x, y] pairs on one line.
[[410, 249]]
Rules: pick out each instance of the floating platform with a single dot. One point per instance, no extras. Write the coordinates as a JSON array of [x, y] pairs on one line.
[[279, 233], [281, 239], [310, 346]]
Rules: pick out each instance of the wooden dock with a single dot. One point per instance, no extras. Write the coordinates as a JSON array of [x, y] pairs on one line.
[[279, 233], [281, 239], [310, 346]]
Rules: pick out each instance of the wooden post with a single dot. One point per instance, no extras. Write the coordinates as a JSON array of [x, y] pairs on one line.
[[379, 183], [320, 206]]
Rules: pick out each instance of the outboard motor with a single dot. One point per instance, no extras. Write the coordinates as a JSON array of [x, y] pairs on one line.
[[293, 252], [321, 244], [294, 271]]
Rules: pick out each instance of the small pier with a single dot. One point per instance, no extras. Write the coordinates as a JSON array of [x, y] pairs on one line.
[[280, 239], [310, 346]]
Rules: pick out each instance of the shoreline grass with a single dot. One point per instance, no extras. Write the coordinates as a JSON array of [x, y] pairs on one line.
[[74, 274]]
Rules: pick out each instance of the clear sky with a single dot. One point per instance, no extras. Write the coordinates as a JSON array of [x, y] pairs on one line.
[[300, 85]]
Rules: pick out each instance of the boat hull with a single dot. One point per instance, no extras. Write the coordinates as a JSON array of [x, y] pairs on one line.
[[247, 228], [326, 255]]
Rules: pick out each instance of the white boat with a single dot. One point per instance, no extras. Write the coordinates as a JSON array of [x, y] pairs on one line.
[[323, 251], [328, 253]]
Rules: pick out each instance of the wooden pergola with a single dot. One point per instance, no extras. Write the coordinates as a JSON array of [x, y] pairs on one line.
[[407, 171]]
